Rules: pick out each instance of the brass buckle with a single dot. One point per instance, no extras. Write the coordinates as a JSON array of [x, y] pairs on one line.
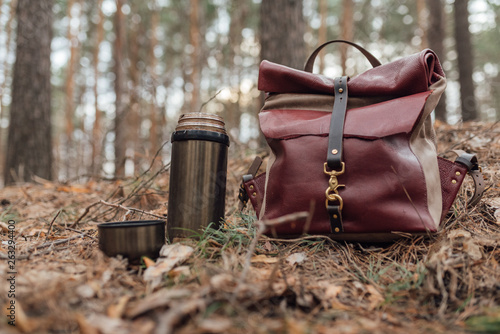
[[331, 193]]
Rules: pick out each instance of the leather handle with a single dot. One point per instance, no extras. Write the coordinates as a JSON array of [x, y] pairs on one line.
[[308, 67]]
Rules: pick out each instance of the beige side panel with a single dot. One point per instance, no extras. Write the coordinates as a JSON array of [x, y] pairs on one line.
[[423, 146]]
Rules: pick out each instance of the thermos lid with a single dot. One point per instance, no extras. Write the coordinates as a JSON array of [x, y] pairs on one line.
[[200, 126]]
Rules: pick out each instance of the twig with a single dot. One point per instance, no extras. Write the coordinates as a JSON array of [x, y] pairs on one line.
[[154, 159], [262, 225], [307, 237], [119, 206], [52, 223], [57, 242], [285, 219], [87, 209], [47, 251], [80, 232], [206, 102]]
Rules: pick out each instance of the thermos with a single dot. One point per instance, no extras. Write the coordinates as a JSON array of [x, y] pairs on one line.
[[198, 172]]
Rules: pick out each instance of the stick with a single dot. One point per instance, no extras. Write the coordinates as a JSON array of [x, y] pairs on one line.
[[261, 227], [206, 102], [52, 223], [87, 209], [119, 206], [57, 242]]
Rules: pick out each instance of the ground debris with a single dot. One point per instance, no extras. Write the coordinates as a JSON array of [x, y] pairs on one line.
[[230, 282]]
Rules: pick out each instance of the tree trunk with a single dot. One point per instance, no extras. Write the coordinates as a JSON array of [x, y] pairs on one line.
[[96, 129], [322, 32], [154, 137], [465, 61], [435, 37], [120, 115], [194, 36], [347, 31], [282, 30], [29, 148], [133, 114], [422, 22], [69, 94], [6, 67]]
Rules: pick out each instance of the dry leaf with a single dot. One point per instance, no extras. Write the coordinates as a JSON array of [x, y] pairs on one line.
[[158, 299], [463, 239], [375, 298], [333, 291], [495, 204], [22, 322], [107, 325], [261, 258], [176, 250], [215, 325], [85, 291], [296, 258], [171, 256], [148, 262], [4, 228], [117, 310], [180, 271], [223, 282], [85, 327], [74, 189]]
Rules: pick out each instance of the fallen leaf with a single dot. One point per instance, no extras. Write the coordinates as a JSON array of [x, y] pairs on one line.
[[85, 327], [296, 258], [333, 291], [170, 256], [4, 228], [261, 258], [215, 325], [22, 322], [109, 325], [116, 310], [158, 299], [463, 239], [374, 297], [74, 189], [85, 291], [223, 282], [148, 262], [180, 271], [176, 250]]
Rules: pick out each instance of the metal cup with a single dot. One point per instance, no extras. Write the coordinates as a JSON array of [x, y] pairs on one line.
[[132, 239], [197, 174]]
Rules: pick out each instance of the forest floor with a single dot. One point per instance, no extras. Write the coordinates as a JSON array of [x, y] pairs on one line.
[[230, 281]]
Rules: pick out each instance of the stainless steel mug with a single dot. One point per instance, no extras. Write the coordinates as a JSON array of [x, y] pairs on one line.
[[197, 174]]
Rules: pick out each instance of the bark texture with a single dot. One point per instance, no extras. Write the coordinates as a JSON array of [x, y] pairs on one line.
[[465, 61], [282, 32], [29, 148]]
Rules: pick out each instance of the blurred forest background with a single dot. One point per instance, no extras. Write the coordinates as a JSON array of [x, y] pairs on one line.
[[95, 88]]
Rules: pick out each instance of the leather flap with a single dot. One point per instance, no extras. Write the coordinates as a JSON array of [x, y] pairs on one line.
[[405, 76], [371, 122]]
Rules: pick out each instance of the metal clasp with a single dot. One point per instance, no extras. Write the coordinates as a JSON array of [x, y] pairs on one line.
[[331, 193]]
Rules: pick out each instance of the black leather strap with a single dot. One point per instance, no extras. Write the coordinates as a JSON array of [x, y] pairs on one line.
[[334, 202], [336, 136], [335, 215]]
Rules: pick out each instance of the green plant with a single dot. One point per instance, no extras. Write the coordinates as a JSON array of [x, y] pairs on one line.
[[486, 323], [236, 234]]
